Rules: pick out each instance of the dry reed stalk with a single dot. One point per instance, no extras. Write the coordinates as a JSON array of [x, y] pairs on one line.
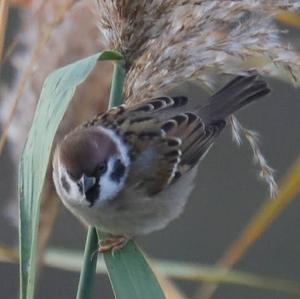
[[289, 18], [269, 211], [8, 254], [11, 48], [23, 3], [4, 5], [38, 48], [171, 291]]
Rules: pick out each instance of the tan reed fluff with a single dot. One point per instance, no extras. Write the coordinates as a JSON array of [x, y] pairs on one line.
[[167, 42], [64, 45]]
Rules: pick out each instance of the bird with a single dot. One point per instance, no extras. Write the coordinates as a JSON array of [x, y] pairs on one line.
[[130, 170]]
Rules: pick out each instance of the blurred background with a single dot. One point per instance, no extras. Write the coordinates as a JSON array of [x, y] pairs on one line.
[[227, 194]]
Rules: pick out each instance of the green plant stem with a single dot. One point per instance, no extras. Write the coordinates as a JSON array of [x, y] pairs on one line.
[[116, 91], [92, 242], [89, 265]]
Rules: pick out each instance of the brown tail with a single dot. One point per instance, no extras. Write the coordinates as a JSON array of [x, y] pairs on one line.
[[236, 94]]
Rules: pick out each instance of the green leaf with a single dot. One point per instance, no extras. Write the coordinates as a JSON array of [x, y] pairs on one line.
[[56, 94], [130, 274], [111, 55]]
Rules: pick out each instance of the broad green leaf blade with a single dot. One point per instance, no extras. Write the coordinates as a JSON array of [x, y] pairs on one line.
[[57, 92], [130, 274]]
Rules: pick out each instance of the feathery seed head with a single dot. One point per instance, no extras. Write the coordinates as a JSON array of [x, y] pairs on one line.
[[167, 42]]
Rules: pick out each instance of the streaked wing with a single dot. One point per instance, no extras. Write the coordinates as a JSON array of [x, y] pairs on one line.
[[164, 143], [196, 138], [154, 155]]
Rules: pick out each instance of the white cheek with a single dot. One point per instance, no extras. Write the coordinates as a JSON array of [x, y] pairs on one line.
[[73, 195], [108, 187]]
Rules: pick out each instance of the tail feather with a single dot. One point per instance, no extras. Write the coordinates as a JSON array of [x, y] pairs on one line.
[[236, 94]]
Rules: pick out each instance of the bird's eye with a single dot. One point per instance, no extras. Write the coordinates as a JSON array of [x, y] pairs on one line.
[[101, 168], [73, 177], [118, 171]]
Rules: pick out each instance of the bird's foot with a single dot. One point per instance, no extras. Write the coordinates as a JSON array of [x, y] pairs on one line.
[[113, 244]]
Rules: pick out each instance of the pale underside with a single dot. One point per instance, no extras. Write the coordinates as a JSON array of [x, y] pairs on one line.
[[132, 212]]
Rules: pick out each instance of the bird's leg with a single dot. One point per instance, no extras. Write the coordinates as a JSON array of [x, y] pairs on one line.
[[113, 243]]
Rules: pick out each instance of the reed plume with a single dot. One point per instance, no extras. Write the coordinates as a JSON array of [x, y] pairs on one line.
[[167, 42], [51, 36]]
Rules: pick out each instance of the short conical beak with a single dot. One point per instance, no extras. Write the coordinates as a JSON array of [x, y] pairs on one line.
[[88, 182]]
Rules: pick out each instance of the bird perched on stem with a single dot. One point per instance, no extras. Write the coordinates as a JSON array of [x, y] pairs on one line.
[[130, 170]]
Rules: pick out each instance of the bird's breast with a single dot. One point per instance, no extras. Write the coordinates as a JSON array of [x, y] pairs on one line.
[[132, 212]]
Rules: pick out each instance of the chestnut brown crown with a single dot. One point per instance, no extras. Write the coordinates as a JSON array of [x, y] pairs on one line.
[[86, 152]]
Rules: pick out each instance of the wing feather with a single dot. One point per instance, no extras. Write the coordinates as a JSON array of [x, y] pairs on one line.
[[164, 143]]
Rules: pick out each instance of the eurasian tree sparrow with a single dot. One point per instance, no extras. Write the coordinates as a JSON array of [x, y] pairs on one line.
[[130, 170]]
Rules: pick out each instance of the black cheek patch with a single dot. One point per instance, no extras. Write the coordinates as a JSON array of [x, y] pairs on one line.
[[118, 171], [80, 187], [65, 184], [92, 194]]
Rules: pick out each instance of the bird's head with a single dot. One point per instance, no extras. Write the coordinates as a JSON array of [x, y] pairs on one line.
[[90, 166]]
